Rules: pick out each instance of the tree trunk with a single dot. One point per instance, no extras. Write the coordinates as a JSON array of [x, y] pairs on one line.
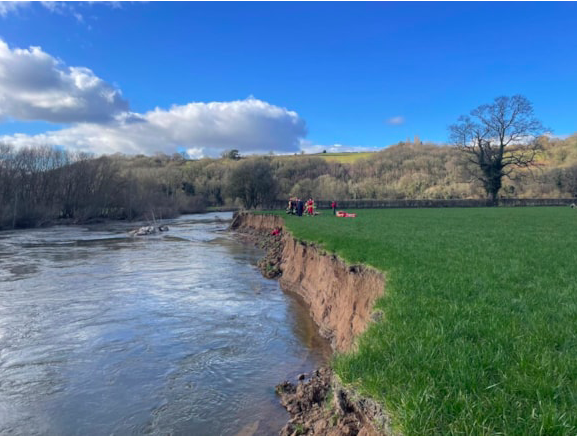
[[492, 182], [15, 211], [493, 187], [493, 200]]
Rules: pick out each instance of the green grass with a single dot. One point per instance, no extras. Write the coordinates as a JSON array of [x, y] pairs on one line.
[[479, 334], [343, 157], [333, 157]]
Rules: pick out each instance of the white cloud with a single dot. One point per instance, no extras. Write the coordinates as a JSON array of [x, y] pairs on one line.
[[311, 148], [37, 86], [65, 8], [9, 7], [55, 7], [204, 129], [396, 121]]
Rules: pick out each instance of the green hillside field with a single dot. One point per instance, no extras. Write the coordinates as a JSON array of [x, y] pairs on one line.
[[479, 327], [344, 157]]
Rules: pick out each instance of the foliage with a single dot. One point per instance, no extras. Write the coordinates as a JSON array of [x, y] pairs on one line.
[[231, 154], [252, 182], [478, 333], [39, 185], [43, 184]]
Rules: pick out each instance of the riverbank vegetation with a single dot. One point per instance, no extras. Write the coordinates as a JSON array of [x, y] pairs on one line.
[[43, 185], [479, 316]]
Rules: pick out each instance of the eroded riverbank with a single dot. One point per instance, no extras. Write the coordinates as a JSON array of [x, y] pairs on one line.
[[340, 299]]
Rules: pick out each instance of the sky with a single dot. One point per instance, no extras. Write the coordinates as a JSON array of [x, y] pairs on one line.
[[142, 78]]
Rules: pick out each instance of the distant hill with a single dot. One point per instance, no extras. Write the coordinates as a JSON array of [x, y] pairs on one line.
[[348, 157], [40, 185], [344, 157]]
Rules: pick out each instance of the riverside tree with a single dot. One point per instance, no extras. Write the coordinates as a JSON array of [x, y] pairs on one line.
[[498, 138], [253, 182]]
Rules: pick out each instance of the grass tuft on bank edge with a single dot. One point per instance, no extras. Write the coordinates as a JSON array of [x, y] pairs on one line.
[[479, 334]]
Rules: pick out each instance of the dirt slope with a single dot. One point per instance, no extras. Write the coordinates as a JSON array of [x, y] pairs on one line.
[[340, 297]]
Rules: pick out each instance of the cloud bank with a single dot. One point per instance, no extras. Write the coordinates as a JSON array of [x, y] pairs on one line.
[[36, 86], [203, 129]]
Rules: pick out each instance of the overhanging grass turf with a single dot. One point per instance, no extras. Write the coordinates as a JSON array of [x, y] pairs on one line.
[[480, 316]]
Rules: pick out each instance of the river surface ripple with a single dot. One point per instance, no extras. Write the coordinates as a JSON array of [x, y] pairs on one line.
[[177, 333]]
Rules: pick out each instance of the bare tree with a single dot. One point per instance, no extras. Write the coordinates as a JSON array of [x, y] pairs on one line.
[[498, 138]]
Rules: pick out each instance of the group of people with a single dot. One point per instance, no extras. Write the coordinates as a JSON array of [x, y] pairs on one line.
[[298, 207]]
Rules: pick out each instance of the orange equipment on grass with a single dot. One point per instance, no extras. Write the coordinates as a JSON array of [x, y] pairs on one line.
[[342, 214]]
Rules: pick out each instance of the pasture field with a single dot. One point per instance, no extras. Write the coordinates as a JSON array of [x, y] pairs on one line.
[[343, 157], [479, 327], [332, 157]]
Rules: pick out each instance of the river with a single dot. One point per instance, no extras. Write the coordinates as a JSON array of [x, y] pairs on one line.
[[176, 333]]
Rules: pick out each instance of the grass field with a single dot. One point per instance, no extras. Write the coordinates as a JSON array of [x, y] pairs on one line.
[[343, 157], [333, 157], [479, 334]]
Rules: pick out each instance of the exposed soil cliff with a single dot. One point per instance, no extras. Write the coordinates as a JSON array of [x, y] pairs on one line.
[[340, 298]]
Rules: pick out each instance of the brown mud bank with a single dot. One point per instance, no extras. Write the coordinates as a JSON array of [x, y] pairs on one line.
[[341, 299], [340, 296]]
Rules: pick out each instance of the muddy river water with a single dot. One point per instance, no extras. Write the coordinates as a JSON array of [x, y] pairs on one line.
[[177, 333]]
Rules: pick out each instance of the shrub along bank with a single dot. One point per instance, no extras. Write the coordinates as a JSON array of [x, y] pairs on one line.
[[480, 316]]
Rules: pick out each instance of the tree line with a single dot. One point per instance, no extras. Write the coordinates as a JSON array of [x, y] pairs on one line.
[[42, 185]]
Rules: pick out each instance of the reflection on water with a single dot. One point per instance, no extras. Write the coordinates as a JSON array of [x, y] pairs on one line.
[[176, 333]]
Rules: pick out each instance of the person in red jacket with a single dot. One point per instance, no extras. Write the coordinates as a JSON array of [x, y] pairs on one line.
[[334, 206]]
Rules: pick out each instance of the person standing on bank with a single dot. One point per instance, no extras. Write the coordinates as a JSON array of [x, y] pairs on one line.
[[334, 206]]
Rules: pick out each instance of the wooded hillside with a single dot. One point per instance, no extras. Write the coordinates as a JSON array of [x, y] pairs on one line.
[[41, 185]]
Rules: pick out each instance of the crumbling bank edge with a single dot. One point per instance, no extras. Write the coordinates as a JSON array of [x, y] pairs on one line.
[[341, 299]]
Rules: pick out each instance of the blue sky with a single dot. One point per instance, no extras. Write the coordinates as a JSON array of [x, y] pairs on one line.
[[285, 76]]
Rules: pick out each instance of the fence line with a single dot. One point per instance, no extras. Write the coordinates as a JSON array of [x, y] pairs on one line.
[[400, 204]]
